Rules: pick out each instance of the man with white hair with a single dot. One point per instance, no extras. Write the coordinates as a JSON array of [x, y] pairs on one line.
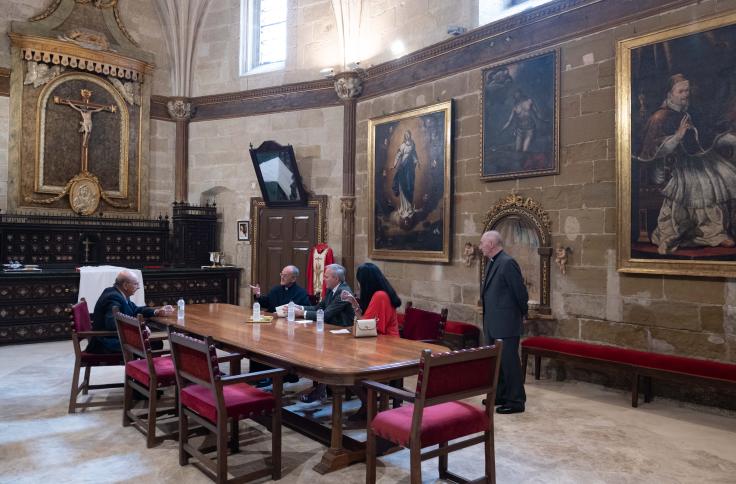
[[505, 305], [126, 284], [336, 310], [283, 293]]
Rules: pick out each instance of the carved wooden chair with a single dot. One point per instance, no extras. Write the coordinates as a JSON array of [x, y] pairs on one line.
[[147, 371], [212, 400], [423, 325], [438, 415], [81, 331]]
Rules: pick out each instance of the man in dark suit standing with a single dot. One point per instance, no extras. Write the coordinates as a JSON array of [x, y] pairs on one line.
[[336, 310], [126, 284], [505, 305]]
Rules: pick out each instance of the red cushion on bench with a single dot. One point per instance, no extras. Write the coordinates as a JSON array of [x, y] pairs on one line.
[[457, 327], [658, 361]]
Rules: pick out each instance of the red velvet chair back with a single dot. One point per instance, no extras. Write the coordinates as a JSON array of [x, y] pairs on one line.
[[422, 325], [195, 360], [133, 335], [457, 375], [80, 316]]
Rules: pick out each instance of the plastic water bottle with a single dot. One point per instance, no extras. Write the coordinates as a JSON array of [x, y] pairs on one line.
[[320, 320], [180, 309], [256, 311], [290, 312]]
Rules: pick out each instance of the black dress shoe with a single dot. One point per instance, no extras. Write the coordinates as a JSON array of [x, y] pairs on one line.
[[263, 382], [496, 403], [318, 394], [504, 410]]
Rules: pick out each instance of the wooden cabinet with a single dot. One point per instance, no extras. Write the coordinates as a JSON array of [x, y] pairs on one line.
[[36, 306]]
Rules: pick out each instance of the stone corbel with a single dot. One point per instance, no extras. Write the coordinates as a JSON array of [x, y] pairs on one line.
[[348, 85], [347, 206], [180, 109]]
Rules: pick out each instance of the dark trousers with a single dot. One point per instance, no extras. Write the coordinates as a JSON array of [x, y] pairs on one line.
[[510, 390]]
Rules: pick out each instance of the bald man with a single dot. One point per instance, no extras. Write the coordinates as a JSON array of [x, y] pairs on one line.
[[505, 305], [126, 284], [283, 293]]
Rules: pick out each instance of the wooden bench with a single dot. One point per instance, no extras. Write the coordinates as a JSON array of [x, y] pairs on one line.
[[643, 365]]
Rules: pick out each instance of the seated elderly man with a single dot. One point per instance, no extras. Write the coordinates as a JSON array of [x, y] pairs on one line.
[[336, 310], [283, 293], [126, 284]]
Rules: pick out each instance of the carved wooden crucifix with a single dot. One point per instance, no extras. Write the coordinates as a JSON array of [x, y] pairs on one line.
[[86, 109]]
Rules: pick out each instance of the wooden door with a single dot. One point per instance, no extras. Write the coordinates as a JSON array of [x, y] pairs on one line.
[[285, 236]]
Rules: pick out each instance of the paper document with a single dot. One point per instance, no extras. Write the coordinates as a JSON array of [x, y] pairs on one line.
[[340, 331], [303, 321]]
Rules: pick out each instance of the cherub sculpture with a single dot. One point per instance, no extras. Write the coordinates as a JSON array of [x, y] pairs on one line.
[[561, 254], [469, 254]]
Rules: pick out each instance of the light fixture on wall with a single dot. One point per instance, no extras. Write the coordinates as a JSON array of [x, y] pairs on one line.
[[456, 30], [354, 66], [328, 72], [398, 48]]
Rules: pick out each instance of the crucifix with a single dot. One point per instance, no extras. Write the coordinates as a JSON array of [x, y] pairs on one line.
[[86, 109], [87, 243]]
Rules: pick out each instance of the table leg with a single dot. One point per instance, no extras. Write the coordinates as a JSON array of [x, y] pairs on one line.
[[337, 456]]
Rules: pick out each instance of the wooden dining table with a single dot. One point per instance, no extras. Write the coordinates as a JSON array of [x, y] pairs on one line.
[[339, 360]]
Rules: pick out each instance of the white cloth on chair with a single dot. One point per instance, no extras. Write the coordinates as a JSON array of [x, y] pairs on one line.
[[95, 279]]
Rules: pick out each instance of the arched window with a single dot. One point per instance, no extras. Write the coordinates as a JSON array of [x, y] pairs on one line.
[[262, 35]]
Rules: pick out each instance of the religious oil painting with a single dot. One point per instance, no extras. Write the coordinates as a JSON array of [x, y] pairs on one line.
[[409, 163], [676, 150], [519, 125]]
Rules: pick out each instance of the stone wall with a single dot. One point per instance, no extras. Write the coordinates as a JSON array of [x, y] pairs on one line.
[[313, 41], [682, 315], [161, 176], [220, 168]]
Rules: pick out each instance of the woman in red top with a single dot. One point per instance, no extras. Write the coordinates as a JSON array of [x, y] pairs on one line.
[[377, 299]]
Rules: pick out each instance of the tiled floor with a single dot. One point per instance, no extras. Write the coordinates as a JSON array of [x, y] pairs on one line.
[[571, 432]]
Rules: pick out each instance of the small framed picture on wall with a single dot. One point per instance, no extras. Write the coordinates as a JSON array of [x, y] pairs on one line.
[[243, 230]]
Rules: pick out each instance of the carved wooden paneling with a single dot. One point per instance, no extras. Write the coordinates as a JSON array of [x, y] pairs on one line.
[[37, 306], [69, 241]]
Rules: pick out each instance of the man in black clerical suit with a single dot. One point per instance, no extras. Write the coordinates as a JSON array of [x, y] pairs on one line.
[[336, 310], [126, 284], [505, 305], [283, 293]]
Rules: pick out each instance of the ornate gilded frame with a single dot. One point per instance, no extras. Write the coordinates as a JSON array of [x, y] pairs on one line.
[[532, 211], [544, 90], [402, 118], [39, 184], [626, 262]]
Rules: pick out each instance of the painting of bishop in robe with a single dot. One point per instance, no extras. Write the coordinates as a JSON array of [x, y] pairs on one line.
[[683, 146]]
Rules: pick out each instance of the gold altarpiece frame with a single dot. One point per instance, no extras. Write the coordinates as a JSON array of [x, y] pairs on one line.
[[80, 113]]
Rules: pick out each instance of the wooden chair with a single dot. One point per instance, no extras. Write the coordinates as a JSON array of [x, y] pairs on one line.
[[82, 330], [423, 325], [212, 399], [146, 371], [437, 415]]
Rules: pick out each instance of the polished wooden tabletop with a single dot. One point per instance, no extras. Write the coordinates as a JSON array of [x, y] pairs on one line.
[[339, 358]]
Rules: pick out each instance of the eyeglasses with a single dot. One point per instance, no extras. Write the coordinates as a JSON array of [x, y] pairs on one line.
[[285, 274]]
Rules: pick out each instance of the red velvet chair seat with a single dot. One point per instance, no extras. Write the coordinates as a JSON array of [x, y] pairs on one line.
[[657, 361], [440, 423], [241, 400], [99, 359], [162, 365], [456, 327]]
